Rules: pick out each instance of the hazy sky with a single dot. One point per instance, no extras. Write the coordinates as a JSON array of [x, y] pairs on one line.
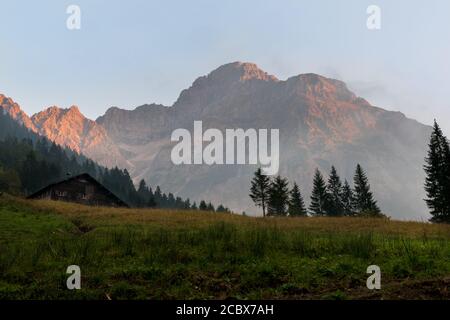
[[129, 53]]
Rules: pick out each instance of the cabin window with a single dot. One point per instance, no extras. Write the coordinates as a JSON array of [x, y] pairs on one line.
[[83, 196], [61, 193]]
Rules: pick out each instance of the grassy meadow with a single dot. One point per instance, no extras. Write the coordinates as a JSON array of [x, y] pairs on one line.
[[168, 254]]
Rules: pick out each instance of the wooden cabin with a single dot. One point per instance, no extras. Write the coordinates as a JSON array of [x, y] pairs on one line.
[[82, 189]]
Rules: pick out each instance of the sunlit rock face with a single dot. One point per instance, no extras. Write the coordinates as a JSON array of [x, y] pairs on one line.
[[321, 123]]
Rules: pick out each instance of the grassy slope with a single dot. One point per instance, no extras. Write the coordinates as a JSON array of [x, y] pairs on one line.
[[164, 254]]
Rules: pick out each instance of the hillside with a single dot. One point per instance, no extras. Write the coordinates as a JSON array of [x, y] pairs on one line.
[[321, 123], [166, 254]]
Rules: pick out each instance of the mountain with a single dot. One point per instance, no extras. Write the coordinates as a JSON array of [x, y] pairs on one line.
[[321, 123], [68, 127], [10, 107]]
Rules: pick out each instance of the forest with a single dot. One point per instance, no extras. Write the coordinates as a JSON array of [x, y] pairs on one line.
[[29, 162]]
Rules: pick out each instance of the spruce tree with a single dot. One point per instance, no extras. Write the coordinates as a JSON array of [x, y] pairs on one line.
[[437, 181], [158, 197], [363, 201], [446, 179], [296, 203], [259, 190], [203, 206], [319, 205], [278, 197], [347, 199], [30, 177], [334, 188], [143, 193], [211, 207], [151, 203]]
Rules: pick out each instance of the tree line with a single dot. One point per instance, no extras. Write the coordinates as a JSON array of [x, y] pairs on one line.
[[158, 199], [328, 198], [29, 162]]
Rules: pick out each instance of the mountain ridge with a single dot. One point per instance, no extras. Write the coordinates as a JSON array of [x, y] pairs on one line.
[[321, 123]]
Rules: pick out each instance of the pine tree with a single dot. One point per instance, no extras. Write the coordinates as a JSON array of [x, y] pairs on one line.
[[446, 179], [210, 207], [9, 181], [30, 177], [158, 197], [151, 203], [194, 206], [187, 204], [171, 202], [278, 197], [334, 189], [347, 199], [319, 205], [296, 203], [259, 190], [143, 193], [203, 206], [437, 182], [363, 201], [151, 199]]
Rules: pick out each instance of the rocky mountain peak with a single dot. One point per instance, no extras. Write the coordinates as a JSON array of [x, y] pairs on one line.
[[10, 107], [57, 114], [223, 81], [74, 110], [317, 86], [231, 73], [241, 71]]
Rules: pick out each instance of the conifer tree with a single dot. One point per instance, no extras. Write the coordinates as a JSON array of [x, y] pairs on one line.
[[446, 150], [30, 177], [296, 203], [334, 189], [151, 203], [363, 201], [221, 208], [179, 203], [437, 182], [203, 206], [319, 205], [210, 207], [259, 190], [143, 193], [171, 202], [278, 197], [347, 199]]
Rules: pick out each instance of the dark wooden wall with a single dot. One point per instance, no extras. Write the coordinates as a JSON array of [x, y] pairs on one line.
[[83, 191]]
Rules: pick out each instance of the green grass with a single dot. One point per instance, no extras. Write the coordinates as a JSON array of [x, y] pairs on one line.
[[163, 254]]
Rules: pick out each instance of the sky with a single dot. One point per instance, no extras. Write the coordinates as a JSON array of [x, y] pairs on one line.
[[129, 53]]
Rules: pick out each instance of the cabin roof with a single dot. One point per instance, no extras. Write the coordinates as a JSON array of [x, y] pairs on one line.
[[85, 176]]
